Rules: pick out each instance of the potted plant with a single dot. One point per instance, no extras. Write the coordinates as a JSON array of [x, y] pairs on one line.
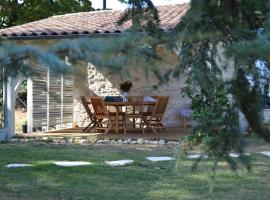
[[125, 87], [24, 127]]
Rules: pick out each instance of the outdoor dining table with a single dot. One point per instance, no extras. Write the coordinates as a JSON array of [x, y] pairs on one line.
[[118, 105]]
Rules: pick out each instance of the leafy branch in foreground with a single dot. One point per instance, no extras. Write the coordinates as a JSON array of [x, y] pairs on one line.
[[208, 32], [222, 74], [218, 79]]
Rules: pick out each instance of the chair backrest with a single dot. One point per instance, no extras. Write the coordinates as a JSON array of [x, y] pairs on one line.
[[150, 109], [86, 106], [161, 105], [99, 107], [135, 99], [135, 105]]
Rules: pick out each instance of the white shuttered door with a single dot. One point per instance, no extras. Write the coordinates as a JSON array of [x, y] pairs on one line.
[[51, 98]]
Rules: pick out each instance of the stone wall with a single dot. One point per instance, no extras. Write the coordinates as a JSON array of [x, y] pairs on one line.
[[92, 81]]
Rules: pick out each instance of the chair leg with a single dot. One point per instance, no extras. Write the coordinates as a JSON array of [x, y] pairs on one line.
[[142, 125], [125, 125], [88, 126], [145, 121], [91, 128], [125, 130], [167, 131], [110, 125], [95, 129], [99, 124], [153, 129], [162, 126]]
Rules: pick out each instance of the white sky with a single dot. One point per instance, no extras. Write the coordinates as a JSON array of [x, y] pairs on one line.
[[116, 5]]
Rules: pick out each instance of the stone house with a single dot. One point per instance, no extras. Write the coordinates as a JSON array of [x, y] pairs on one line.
[[54, 100]]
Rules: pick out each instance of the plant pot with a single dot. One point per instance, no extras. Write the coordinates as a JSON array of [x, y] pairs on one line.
[[125, 94], [24, 128]]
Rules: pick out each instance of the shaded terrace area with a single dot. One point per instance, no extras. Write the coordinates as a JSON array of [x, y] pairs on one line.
[[173, 135]]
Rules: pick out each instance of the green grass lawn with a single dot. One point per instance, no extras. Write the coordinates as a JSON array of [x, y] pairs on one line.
[[140, 180]]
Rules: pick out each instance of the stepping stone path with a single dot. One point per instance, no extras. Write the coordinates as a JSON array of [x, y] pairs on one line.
[[233, 155], [119, 162], [17, 165], [265, 153], [156, 159], [124, 162], [71, 163]]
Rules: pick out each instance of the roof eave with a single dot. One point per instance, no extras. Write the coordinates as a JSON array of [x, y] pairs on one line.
[[69, 36]]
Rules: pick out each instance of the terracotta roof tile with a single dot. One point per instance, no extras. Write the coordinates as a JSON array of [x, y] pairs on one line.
[[95, 22]]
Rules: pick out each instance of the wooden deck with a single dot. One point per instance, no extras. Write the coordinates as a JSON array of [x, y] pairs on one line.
[[174, 134]]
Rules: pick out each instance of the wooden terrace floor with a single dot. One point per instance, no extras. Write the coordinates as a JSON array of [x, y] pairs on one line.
[[174, 134]]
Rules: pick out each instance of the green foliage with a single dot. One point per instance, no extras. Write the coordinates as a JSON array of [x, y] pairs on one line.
[[149, 18], [213, 31], [208, 27], [17, 59], [217, 126], [205, 111], [13, 12], [24, 123]]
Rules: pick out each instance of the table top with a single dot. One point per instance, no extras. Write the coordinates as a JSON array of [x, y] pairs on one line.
[[129, 103]]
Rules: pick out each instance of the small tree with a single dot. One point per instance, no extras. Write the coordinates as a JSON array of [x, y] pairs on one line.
[[14, 12]]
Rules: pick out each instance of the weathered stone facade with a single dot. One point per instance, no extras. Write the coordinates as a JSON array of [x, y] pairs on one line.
[[106, 83]]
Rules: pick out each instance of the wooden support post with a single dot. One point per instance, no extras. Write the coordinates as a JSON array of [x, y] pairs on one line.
[[48, 99], [29, 105], [62, 100], [12, 88]]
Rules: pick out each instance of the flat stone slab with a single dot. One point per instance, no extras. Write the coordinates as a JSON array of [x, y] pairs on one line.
[[236, 155], [71, 163], [156, 159], [196, 156], [119, 162], [265, 153], [17, 165]]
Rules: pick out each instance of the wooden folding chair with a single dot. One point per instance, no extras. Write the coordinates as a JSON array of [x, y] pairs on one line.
[[149, 109], [154, 120], [102, 115], [134, 113], [92, 125]]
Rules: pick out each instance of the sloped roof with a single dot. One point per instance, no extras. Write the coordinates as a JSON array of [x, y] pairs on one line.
[[88, 23]]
